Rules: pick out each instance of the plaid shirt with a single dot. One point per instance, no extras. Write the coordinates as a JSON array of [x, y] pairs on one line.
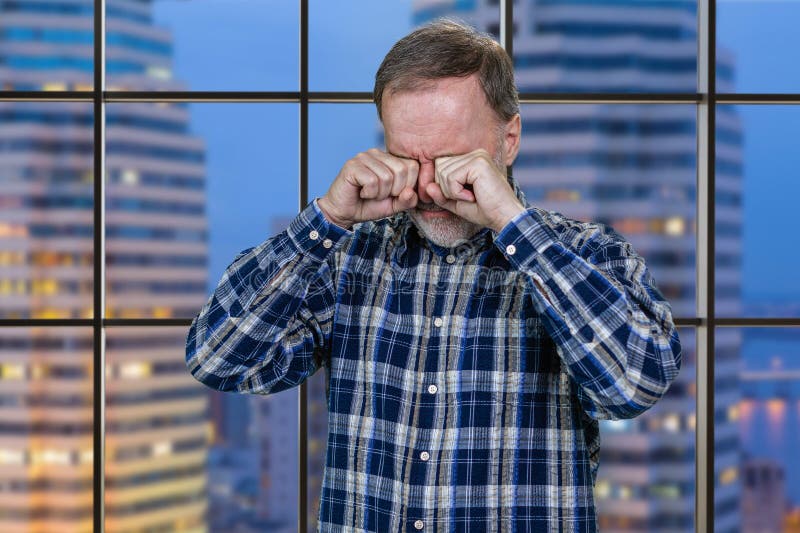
[[464, 385]]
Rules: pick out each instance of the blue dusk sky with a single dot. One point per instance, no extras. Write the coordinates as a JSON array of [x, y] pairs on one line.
[[252, 148]]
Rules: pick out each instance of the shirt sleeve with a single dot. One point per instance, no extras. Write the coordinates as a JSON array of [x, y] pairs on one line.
[[267, 325], [612, 327]]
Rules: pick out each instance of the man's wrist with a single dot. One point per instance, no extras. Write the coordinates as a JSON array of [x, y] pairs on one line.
[[508, 215], [326, 212]]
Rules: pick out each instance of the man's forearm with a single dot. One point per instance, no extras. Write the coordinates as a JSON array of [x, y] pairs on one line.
[[248, 337], [614, 331]]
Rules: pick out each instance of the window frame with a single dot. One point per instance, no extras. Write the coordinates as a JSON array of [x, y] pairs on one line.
[[704, 322]]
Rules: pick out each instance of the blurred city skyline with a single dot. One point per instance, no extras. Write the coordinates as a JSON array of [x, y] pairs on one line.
[[227, 174]]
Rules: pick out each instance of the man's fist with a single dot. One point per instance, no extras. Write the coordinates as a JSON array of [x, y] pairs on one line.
[[372, 185], [473, 187]]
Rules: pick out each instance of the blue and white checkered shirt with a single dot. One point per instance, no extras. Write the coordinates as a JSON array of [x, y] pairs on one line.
[[464, 385]]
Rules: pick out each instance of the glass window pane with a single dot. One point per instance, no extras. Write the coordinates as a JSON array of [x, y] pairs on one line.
[[606, 45], [756, 428], [47, 46], [357, 129], [208, 45], [646, 478], [190, 186], [630, 166], [183, 457], [344, 57], [46, 429], [757, 189], [46, 202], [754, 57]]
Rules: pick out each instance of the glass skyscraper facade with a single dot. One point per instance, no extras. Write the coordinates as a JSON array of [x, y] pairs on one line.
[[157, 424]]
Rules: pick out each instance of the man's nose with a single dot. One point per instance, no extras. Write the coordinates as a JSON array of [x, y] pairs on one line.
[[425, 177]]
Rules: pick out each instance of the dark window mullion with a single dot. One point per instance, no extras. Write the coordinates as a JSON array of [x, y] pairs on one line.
[[507, 26], [98, 363], [364, 97], [705, 267], [302, 485]]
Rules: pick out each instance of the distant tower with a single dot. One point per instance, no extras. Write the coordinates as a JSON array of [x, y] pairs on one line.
[[275, 431], [157, 428], [634, 167], [763, 496]]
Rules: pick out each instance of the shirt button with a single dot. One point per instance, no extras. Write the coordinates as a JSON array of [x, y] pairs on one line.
[[450, 258], [314, 235], [432, 389], [327, 243], [419, 524], [438, 322], [424, 456], [511, 249]]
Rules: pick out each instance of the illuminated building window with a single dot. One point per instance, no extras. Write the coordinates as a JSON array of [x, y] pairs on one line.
[[12, 457], [12, 371], [674, 226], [43, 287], [135, 370], [603, 488], [51, 456], [130, 176], [563, 195], [162, 448], [729, 475], [630, 226], [50, 312], [54, 86], [13, 230], [162, 312], [672, 423]]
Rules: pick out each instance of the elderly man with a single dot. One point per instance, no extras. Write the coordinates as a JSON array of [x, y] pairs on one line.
[[470, 341]]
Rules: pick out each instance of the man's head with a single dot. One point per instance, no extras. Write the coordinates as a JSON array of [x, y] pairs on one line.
[[446, 89]]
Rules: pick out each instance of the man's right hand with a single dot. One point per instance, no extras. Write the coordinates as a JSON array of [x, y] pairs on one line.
[[372, 185]]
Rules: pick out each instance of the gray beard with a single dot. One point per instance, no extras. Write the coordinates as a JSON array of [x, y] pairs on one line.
[[456, 230], [447, 233]]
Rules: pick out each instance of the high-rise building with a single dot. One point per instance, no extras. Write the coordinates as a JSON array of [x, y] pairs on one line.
[[633, 166], [763, 496], [157, 425]]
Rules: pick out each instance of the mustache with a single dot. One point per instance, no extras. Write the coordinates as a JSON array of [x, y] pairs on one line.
[[428, 206]]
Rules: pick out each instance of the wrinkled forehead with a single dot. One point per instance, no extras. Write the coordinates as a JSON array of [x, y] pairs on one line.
[[447, 111]]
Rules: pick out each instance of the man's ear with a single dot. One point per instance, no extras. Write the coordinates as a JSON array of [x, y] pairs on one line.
[[512, 131]]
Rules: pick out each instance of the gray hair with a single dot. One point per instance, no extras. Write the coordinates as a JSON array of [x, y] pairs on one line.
[[445, 48]]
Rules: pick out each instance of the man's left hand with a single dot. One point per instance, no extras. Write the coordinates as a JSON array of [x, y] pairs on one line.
[[471, 186]]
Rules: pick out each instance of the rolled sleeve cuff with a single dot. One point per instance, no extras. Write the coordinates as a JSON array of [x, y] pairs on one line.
[[314, 235], [525, 236]]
